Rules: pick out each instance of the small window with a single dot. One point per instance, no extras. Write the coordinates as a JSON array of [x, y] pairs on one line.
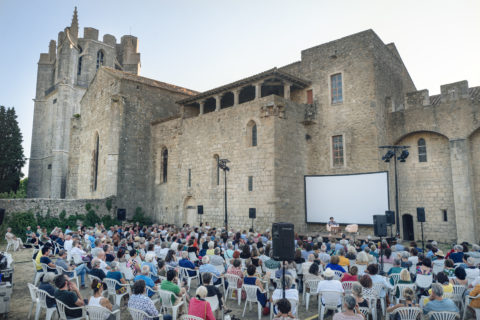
[[336, 88], [445, 215], [309, 96], [100, 57], [422, 150], [80, 59], [95, 167], [54, 100], [189, 178], [252, 134], [250, 183], [337, 150], [49, 166], [164, 165]]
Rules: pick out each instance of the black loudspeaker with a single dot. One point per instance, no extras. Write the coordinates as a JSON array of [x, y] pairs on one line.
[[200, 209], [421, 214], [283, 241], [380, 225], [390, 217], [2, 215], [121, 214], [252, 213]]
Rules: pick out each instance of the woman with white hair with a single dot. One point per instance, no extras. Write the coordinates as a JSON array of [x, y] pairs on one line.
[[210, 250], [350, 306], [290, 294], [114, 273], [198, 307]]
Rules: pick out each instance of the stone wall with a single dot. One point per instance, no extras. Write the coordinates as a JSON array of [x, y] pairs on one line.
[[56, 206]]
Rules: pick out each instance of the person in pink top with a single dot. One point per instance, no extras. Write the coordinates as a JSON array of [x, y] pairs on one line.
[[199, 307]]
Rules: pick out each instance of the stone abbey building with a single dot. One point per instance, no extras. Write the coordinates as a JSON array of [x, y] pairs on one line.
[[102, 130]]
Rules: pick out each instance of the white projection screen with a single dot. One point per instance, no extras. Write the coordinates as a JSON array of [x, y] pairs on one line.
[[350, 199]]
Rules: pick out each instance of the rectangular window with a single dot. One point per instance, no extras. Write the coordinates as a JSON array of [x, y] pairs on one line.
[[189, 178], [309, 96], [336, 88], [337, 150], [445, 215], [250, 183], [54, 100]]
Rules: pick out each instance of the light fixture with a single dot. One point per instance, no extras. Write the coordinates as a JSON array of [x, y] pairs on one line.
[[403, 155], [388, 155]]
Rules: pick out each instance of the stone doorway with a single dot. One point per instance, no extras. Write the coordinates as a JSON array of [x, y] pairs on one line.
[[407, 222], [190, 212]]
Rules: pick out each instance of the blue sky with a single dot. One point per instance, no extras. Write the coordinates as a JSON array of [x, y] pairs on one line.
[[204, 44]]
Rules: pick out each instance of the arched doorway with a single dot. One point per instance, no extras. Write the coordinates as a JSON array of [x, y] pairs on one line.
[[190, 210], [407, 222]]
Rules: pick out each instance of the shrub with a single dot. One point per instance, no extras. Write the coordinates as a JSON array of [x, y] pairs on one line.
[[108, 204], [140, 217]]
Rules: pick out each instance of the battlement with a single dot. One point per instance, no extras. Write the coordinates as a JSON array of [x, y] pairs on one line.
[[448, 92]]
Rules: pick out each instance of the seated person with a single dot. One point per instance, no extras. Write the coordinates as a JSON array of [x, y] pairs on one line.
[[18, 243], [372, 270], [171, 285], [200, 308], [409, 301], [115, 274], [46, 285], [437, 303], [329, 284], [333, 265], [68, 293], [207, 267], [98, 300], [45, 259], [351, 275], [140, 301], [144, 275], [251, 279], [212, 290], [357, 292], [290, 294], [96, 271], [351, 312], [81, 270], [443, 280], [284, 308], [149, 261], [186, 263]]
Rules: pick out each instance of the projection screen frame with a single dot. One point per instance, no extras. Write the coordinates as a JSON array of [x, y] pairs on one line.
[[344, 174]]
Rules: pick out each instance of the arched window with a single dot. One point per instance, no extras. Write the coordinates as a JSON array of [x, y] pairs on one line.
[[164, 165], [422, 150], [252, 140], [100, 57], [79, 66], [216, 170], [95, 162]]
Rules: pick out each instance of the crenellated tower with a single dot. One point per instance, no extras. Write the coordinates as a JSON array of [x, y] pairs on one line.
[[64, 74]]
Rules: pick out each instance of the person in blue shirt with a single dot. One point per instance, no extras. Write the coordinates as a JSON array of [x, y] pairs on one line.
[[207, 267], [437, 303], [185, 263], [117, 275], [334, 260], [46, 252], [91, 238], [148, 281], [457, 256]]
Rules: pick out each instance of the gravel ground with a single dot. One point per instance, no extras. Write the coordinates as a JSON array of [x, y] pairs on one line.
[[20, 300]]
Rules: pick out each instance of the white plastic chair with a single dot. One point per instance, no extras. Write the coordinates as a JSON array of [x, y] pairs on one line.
[[214, 304], [190, 317], [361, 268], [469, 298], [457, 295], [378, 287], [272, 272], [42, 304], [44, 267], [438, 266], [232, 281], [347, 286], [365, 311], [77, 259], [166, 297], [329, 300], [310, 290], [370, 295], [408, 313], [192, 257], [101, 313], [184, 274], [140, 315], [33, 295], [155, 297], [395, 277], [293, 303], [251, 291], [338, 275], [61, 307], [111, 284], [424, 281], [443, 315], [60, 270], [11, 243], [387, 267]]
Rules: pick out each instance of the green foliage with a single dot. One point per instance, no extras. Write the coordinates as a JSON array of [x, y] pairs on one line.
[[76, 115], [91, 218], [19, 222], [12, 158], [21, 193], [108, 204], [88, 206], [109, 221], [140, 217]]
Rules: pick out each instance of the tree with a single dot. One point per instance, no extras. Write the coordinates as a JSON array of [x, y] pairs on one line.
[[12, 158]]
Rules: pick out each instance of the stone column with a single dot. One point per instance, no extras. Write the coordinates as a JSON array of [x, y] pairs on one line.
[[202, 106], [286, 90], [236, 96], [218, 100], [462, 190], [258, 90]]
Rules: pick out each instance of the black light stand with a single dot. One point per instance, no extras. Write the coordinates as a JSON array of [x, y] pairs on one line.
[[381, 256], [423, 242], [283, 281], [392, 153], [222, 164]]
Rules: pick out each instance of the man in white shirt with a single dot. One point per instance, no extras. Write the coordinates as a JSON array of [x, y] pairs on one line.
[[330, 285], [67, 245], [372, 270], [306, 265], [290, 294]]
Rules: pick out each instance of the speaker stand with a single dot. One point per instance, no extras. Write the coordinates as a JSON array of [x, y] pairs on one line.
[[381, 256], [283, 280], [423, 241], [391, 231], [252, 224]]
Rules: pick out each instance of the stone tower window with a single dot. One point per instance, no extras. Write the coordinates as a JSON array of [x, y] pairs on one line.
[[80, 59], [164, 165], [216, 170], [250, 183], [100, 58], [252, 134], [422, 150], [336, 88], [95, 162], [337, 150]]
